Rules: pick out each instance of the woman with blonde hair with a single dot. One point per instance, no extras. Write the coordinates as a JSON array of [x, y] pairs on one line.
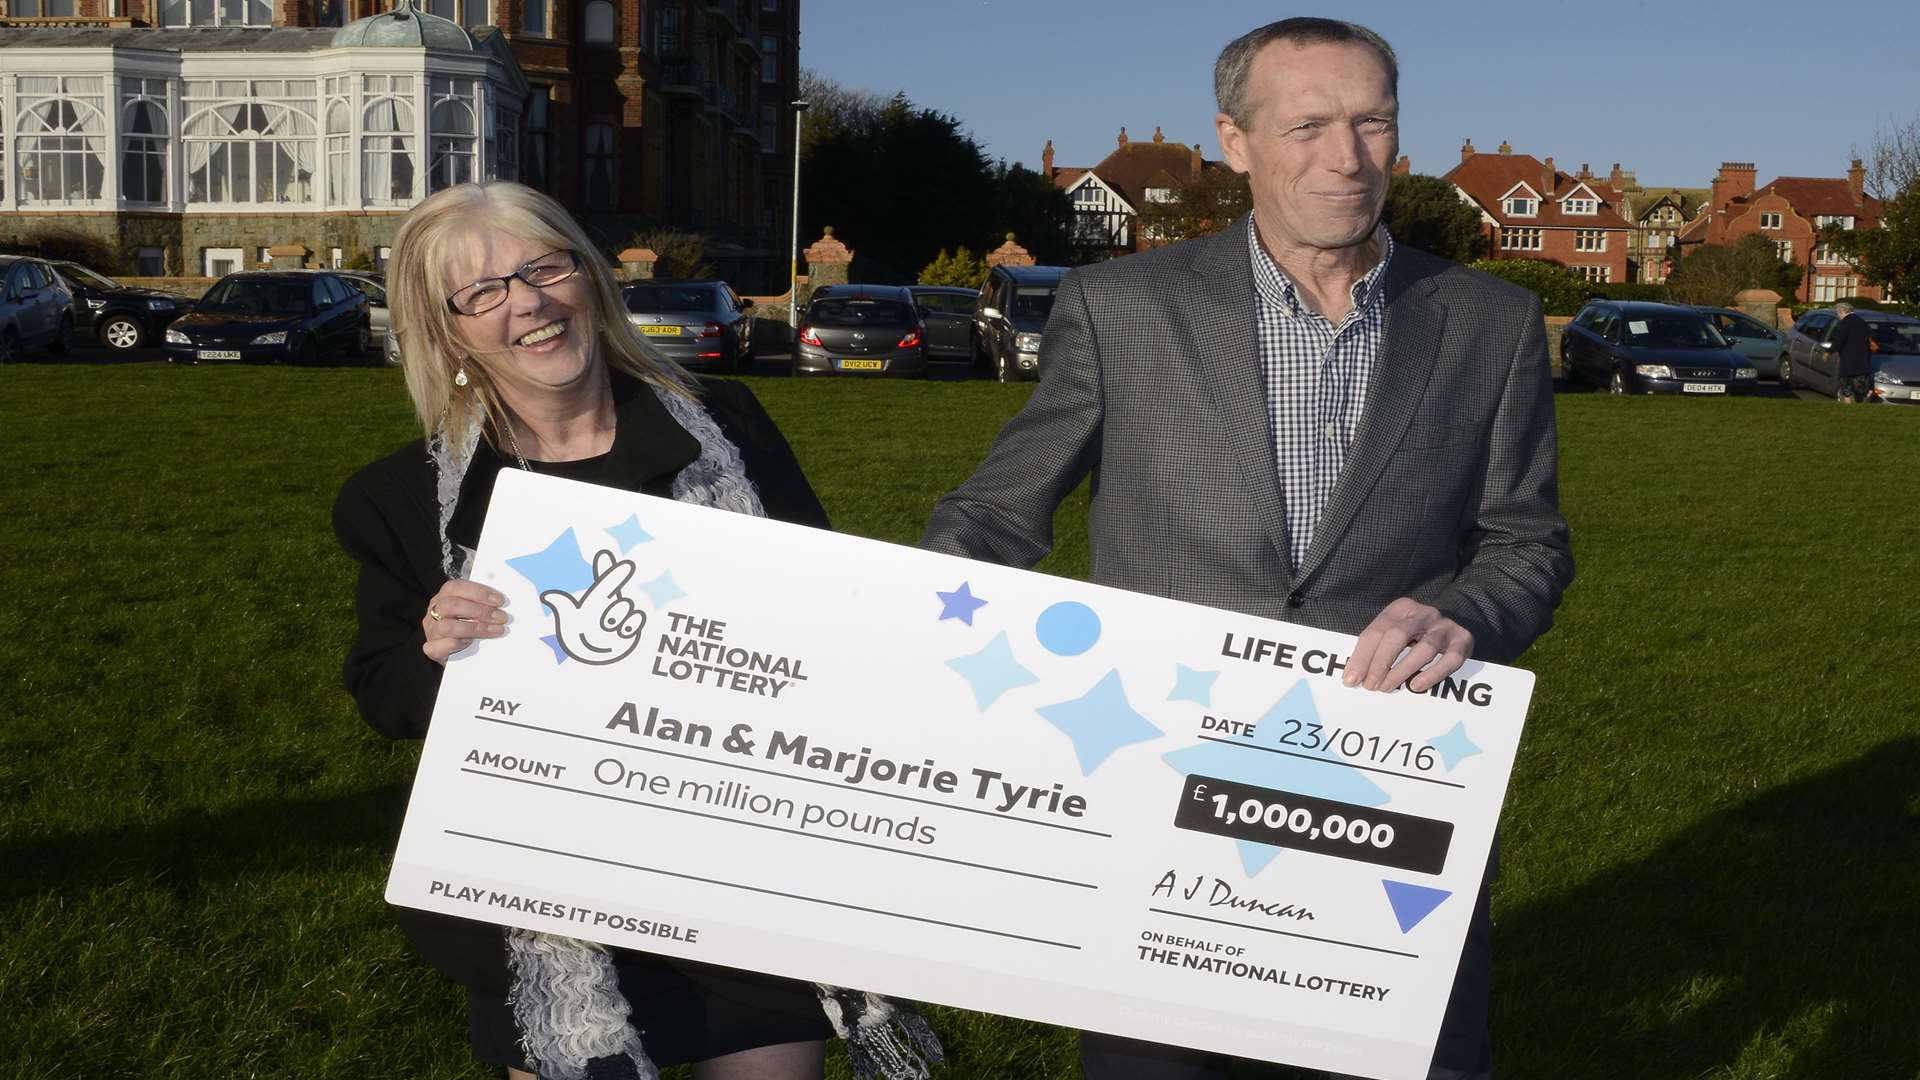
[[517, 354]]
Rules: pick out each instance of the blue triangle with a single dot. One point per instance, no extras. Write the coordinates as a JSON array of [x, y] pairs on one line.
[[1412, 903]]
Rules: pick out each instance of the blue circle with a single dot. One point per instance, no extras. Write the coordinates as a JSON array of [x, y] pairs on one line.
[[1068, 628]]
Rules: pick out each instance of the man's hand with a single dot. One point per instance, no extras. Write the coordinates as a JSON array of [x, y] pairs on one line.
[[1435, 647]]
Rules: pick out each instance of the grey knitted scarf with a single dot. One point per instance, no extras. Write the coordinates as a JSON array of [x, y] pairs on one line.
[[566, 992]]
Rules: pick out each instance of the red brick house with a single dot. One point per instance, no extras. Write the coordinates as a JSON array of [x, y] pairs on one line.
[[1791, 211], [1107, 197], [1531, 210]]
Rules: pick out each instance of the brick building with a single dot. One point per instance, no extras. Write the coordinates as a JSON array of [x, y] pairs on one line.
[[193, 133], [1107, 197], [1791, 211], [1531, 210]]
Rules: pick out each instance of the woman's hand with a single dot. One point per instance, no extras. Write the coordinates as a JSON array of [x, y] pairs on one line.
[[459, 614]]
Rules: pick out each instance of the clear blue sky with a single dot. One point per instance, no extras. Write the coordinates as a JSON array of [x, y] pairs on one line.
[[1669, 90]]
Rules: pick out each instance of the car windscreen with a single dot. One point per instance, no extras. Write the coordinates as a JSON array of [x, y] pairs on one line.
[[946, 303], [859, 311], [1033, 301], [83, 276], [1672, 332], [652, 299], [258, 296], [1897, 338]]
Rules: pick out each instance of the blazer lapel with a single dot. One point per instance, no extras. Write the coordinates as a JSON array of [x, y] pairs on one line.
[[1409, 344], [1220, 307]]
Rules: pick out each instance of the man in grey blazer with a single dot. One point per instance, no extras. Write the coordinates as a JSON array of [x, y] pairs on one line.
[[1299, 420]]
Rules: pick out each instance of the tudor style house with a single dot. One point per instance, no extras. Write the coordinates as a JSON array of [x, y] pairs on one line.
[[1107, 197], [1530, 210], [1792, 212], [195, 134]]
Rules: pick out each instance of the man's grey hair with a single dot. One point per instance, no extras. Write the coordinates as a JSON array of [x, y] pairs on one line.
[[1231, 71], [1843, 310]]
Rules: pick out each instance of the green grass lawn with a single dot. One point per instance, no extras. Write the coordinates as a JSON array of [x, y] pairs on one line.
[[1712, 842]]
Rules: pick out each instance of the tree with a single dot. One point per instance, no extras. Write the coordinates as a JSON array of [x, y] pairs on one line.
[[898, 183], [1200, 206], [1712, 274], [1561, 291], [962, 268], [1427, 212]]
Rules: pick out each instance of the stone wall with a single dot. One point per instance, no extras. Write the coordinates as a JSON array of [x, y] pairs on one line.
[[185, 237]]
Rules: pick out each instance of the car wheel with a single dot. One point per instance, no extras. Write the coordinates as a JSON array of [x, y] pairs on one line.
[[62, 338], [1786, 372], [122, 332], [307, 354], [9, 348], [1617, 385], [1569, 373]]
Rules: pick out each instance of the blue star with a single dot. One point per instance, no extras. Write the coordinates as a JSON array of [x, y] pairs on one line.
[[1191, 685], [629, 533], [1100, 722], [1281, 772], [663, 590], [959, 604], [1454, 746], [560, 566], [553, 642], [992, 671]]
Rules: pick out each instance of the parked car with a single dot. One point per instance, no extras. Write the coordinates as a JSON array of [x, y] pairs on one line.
[[947, 312], [121, 317], [1807, 359], [700, 324], [1643, 348], [1011, 316], [1750, 337], [274, 316], [36, 310], [379, 319], [861, 329]]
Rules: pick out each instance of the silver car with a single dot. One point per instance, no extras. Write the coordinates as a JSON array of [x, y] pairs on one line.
[[1807, 359], [36, 310], [379, 319], [701, 325]]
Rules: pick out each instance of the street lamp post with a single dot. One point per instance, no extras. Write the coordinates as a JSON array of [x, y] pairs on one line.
[[793, 251]]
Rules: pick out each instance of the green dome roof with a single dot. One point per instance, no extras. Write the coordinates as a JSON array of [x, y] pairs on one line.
[[405, 27]]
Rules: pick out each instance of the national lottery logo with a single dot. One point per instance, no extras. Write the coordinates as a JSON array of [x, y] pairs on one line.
[[600, 625]]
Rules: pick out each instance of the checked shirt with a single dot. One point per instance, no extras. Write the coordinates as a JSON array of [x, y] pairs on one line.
[[1316, 377]]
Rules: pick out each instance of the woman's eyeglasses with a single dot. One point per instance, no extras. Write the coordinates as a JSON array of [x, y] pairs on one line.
[[488, 293]]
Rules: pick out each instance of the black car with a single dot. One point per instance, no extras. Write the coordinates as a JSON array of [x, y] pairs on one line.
[[861, 330], [1642, 348], [703, 325], [1012, 314], [947, 311], [121, 317], [269, 316]]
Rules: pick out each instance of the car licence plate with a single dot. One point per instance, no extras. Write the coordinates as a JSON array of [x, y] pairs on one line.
[[1703, 388], [862, 365], [217, 354], [660, 331]]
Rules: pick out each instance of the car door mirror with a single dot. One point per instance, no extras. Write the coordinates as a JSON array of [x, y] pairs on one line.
[[745, 303]]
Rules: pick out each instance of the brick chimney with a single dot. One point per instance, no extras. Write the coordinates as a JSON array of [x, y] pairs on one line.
[[1123, 138], [1046, 160], [1616, 179], [1403, 166], [1586, 171], [1195, 163], [1157, 137], [1856, 182], [1466, 150], [1546, 179], [1734, 180], [1506, 147]]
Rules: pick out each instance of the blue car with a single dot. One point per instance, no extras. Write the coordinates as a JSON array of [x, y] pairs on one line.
[[274, 316], [1640, 348]]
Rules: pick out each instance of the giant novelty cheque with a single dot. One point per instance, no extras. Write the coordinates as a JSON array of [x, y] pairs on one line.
[[766, 746]]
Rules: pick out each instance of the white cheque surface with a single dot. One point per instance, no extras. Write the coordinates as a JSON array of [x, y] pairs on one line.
[[771, 747]]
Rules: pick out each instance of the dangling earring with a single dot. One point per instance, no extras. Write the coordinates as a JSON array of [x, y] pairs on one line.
[[460, 377]]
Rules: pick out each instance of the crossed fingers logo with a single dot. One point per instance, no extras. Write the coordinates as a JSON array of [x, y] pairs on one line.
[[601, 626]]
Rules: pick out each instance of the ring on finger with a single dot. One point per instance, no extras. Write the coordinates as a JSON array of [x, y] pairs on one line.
[[433, 612]]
